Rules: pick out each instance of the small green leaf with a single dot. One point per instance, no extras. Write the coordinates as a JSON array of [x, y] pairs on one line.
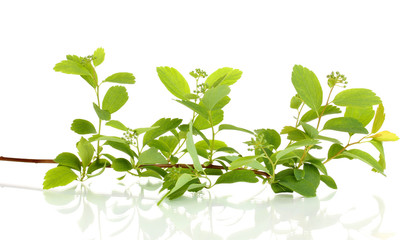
[[329, 139], [102, 114], [81, 126], [294, 134], [71, 67], [310, 130], [335, 149], [174, 82], [356, 97], [242, 161], [190, 145], [240, 175], [216, 116], [98, 56], [151, 156], [296, 145], [125, 148], [232, 127], [295, 102], [195, 107], [385, 136], [180, 186], [319, 165], [98, 137], [214, 95], [345, 124], [69, 160], [328, 180], [308, 87], [312, 115], [98, 164], [160, 127], [121, 165], [85, 151], [117, 124], [58, 176], [365, 157], [382, 158], [270, 136], [379, 118], [121, 77], [363, 114], [223, 76], [115, 98]]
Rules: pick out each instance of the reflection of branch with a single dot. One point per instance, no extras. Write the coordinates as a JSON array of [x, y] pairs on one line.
[[191, 166]]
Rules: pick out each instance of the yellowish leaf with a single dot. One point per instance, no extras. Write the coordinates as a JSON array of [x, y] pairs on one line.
[[385, 136]]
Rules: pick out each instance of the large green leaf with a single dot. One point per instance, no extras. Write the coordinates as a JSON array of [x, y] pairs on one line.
[[365, 157], [312, 115], [71, 67], [190, 145], [308, 87], [123, 147], [98, 56], [121, 165], [306, 186], [102, 114], [345, 124], [69, 160], [114, 99], [328, 180], [85, 151], [174, 82], [363, 114], [81, 126], [121, 77], [223, 76], [356, 97], [151, 156], [163, 125], [58, 176], [240, 175], [214, 95], [378, 119]]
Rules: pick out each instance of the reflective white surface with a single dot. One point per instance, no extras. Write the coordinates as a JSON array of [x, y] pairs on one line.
[[108, 209]]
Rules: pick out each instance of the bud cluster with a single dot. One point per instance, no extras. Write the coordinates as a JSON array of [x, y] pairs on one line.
[[336, 80]]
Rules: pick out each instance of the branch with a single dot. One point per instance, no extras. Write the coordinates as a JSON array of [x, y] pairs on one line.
[[27, 160]]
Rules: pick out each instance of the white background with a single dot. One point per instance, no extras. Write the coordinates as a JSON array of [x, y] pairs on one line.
[[368, 41]]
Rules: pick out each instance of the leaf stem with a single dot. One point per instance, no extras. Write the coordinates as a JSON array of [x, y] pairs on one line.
[[324, 108]]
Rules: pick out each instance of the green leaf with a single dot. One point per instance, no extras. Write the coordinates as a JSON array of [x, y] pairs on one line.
[[223, 76], [379, 146], [58, 176], [222, 103], [81, 126], [214, 95], [174, 82], [310, 130], [308, 87], [232, 127], [151, 156], [234, 176], [121, 77], [328, 180], [98, 56], [196, 108], [71, 67], [162, 126], [345, 124], [365, 157], [356, 97], [333, 140], [217, 117], [294, 134], [299, 174], [181, 184], [312, 115], [306, 186], [98, 164], [102, 114], [243, 161], [98, 137], [190, 145], [319, 165], [363, 114], [335, 149], [117, 124], [379, 118], [69, 160], [85, 151], [121, 165], [295, 102], [270, 136], [115, 98], [296, 145], [125, 148]]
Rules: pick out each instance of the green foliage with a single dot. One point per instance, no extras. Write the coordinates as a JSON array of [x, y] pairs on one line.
[[156, 151]]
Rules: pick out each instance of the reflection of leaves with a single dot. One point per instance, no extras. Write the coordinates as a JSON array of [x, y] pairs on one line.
[[87, 218]]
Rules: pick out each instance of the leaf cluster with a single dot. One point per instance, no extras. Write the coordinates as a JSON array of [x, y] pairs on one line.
[[185, 154]]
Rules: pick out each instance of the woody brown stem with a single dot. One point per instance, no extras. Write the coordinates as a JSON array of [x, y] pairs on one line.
[[27, 160]]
